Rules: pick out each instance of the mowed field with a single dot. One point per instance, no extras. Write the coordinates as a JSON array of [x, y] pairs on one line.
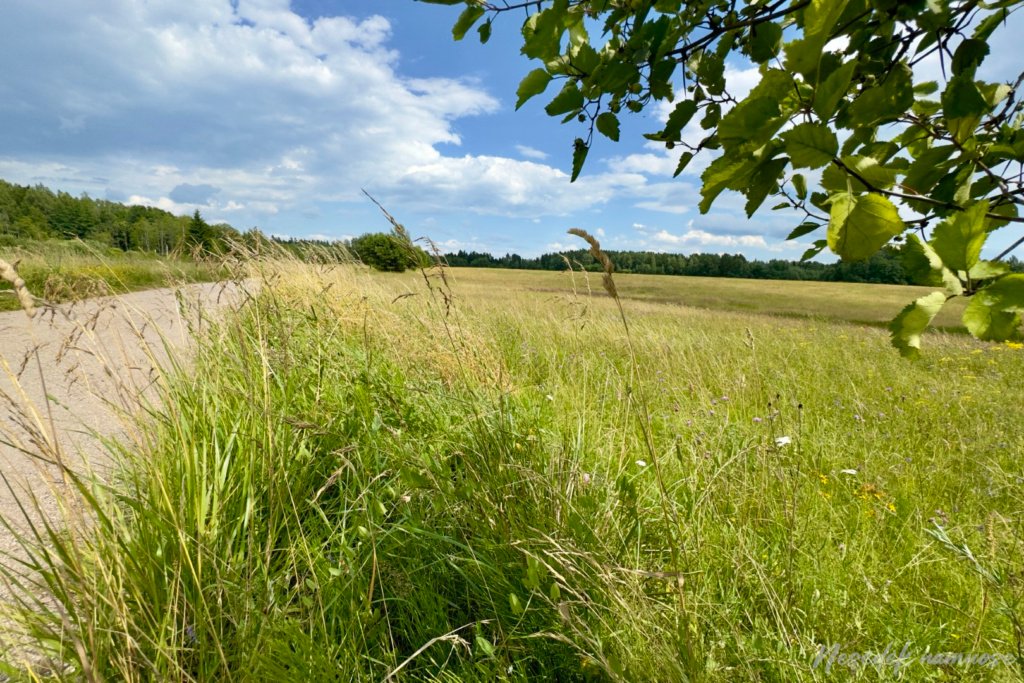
[[866, 304], [498, 475]]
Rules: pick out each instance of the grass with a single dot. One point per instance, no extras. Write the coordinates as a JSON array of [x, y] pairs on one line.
[[59, 271], [385, 478], [865, 304]]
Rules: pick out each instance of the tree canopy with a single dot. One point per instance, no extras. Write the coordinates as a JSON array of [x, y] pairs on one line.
[[840, 127]]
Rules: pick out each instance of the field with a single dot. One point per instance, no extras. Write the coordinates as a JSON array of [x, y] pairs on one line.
[[501, 476], [59, 271]]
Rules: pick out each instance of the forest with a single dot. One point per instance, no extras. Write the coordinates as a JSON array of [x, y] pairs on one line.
[[885, 267]]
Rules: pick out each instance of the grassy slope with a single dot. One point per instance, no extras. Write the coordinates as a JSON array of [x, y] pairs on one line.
[[60, 271], [352, 482]]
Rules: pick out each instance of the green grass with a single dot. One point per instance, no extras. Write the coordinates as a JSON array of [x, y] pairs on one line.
[[359, 476], [58, 271], [866, 304]]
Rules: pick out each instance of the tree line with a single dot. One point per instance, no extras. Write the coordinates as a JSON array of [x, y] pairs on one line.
[[885, 267], [38, 213]]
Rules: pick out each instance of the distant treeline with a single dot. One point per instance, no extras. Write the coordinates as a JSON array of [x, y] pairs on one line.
[[885, 267], [37, 213]]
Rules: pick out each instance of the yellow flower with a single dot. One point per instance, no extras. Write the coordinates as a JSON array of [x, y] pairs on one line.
[[892, 508], [1014, 345], [823, 479]]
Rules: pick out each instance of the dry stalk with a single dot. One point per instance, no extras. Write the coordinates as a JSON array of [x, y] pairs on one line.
[[10, 274]]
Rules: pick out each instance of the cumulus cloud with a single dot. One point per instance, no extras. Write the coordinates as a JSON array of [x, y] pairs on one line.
[[249, 111]]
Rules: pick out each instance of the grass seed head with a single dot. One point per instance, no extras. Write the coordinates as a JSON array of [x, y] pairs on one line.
[[8, 273]]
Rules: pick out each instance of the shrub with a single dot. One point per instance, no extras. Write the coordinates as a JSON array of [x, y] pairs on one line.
[[382, 251]]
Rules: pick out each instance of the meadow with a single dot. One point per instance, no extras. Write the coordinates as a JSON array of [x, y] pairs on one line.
[[494, 475], [61, 271]]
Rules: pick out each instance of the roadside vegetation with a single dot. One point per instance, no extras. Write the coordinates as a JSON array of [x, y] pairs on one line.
[[384, 477], [58, 271]]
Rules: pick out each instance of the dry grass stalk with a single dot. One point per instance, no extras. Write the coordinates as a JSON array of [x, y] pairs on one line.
[[602, 258], [10, 274]]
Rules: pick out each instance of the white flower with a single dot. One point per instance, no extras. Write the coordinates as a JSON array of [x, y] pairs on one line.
[[641, 463], [782, 441], [550, 397], [852, 473], [585, 478]]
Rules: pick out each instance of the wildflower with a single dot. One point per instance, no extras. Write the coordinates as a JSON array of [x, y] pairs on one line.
[[585, 478], [892, 508], [782, 441], [852, 473], [857, 418], [823, 479], [1014, 345], [758, 420], [550, 397], [641, 463]]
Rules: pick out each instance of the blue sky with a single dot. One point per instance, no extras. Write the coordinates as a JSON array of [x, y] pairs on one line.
[[276, 113]]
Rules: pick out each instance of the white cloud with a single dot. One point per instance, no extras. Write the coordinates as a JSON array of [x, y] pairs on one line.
[[701, 238], [531, 153]]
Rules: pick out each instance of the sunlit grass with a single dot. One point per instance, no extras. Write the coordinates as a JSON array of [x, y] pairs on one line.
[[363, 477], [58, 271]]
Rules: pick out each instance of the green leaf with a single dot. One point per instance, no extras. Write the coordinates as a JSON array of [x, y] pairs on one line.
[[836, 179], [818, 247], [885, 101], [750, 120], [986, 270], [466, 20], [821, 17], [994, 312], [800, 185], [763, 181], [534, 84], [485, 32], [907, 327], [579, 156], [861, 225], [924, 267], [958, 240], [724, 172], [803, 229], [484, 646], [962, 99], [928, 168], [765, 41], [684, 161], [810, 145], [678, 119], [969, 55], [832, 90], [542, 32], [608, 125], [568, 100]]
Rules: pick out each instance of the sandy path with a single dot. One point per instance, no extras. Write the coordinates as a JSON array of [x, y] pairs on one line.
[[93, 359]]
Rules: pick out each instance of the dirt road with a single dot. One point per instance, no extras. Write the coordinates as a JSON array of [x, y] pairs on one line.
[[93, 360]]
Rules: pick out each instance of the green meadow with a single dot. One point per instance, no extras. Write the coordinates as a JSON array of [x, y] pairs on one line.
[[60, 271], [496, 475]]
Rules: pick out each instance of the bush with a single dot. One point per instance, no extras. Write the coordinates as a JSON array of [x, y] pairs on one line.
[[382, 251]]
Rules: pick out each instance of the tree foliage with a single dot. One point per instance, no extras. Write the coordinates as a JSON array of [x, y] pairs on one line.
[[383, 251], [839, 127], [884, 267]]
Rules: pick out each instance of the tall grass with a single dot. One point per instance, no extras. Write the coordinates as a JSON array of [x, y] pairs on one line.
[[58, 271], [358, 480]]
